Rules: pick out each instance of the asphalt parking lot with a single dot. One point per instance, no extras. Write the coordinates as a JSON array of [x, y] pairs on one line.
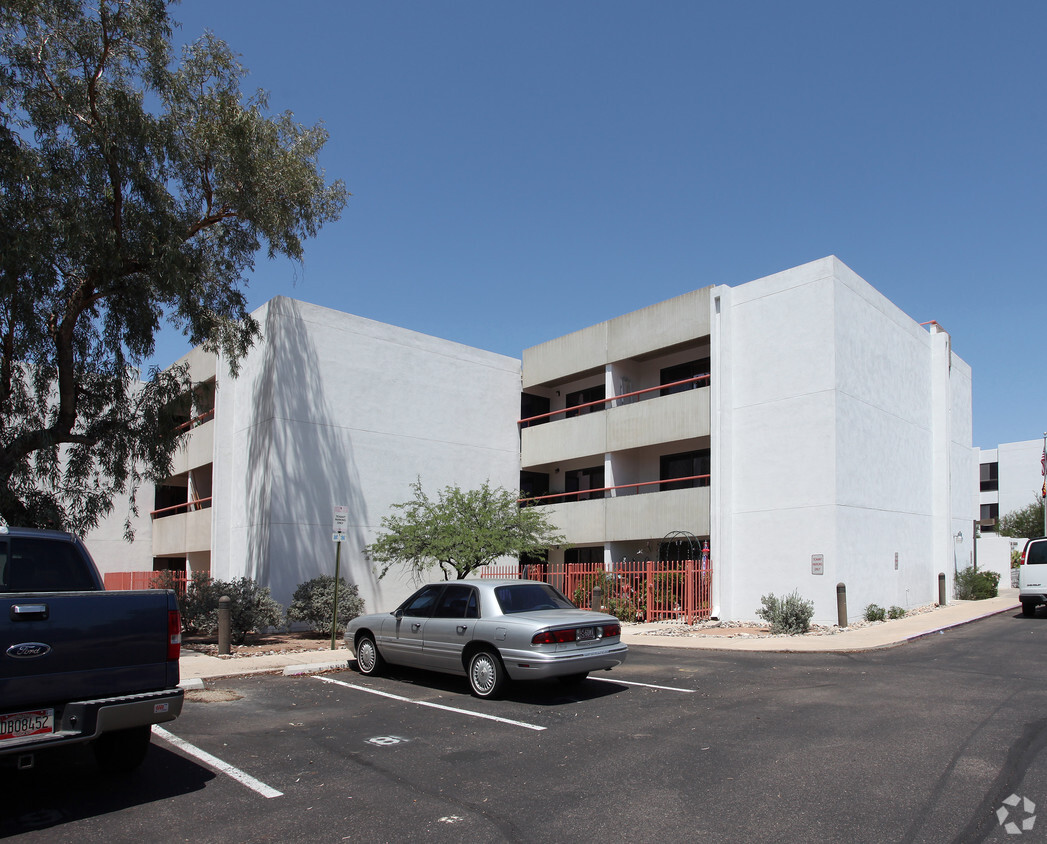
[[918, 743]]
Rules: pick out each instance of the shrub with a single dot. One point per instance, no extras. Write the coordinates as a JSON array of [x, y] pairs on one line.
[[791, 614], [875, 613], [896, 612], [973, 585], [313, 600], [199, 605], [251, 606]]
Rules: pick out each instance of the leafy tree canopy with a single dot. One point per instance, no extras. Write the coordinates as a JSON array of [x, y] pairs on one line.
[[134, 189], [460, 531], [1024, 523]]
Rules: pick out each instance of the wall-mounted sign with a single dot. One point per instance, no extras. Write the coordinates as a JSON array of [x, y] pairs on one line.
[[817, 564]]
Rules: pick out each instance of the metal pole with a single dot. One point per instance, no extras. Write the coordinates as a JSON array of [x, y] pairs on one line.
[[841, 605], [1043, 497], [334, 609], [224, 623]]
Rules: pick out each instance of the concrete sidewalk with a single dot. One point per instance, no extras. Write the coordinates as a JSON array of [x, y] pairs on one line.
[[196, 667]]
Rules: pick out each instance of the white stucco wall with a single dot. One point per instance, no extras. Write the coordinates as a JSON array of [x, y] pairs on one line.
[[844, 432], [331, 408], [1019, 472]]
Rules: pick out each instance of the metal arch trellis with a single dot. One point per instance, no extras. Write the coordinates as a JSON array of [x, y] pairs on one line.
[[674, 540]]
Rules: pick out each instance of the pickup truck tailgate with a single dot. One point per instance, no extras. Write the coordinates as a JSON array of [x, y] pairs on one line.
[[83, 645]]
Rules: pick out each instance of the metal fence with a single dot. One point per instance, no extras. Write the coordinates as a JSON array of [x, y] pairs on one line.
[[121, 580], [648, 590]]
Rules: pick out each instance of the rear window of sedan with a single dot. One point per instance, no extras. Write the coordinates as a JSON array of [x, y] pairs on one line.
[[530, 597]]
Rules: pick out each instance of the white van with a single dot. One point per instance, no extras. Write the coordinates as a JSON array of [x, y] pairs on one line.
[[1032, 575]]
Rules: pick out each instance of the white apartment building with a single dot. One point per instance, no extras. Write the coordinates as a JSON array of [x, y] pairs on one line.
[[801, 424], [327, 409], [1010, 478], [812, 433]]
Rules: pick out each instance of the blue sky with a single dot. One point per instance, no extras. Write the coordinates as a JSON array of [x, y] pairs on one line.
[[523, 170]]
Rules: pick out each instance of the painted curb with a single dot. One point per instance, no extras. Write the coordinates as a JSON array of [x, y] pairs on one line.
[[292, 670]]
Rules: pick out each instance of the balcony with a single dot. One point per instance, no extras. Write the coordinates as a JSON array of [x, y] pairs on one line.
[[630, 517], [631, 420], [181, 530], [198, 448]]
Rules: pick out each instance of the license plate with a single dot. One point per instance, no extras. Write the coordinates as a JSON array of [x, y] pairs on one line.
[[584, 634], [39, 722]]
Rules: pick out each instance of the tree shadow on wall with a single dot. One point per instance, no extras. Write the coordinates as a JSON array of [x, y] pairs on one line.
[[300, 463]]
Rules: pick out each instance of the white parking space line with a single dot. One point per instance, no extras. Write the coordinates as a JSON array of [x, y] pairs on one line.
[[217, 764], [469, 712], [645, 685]]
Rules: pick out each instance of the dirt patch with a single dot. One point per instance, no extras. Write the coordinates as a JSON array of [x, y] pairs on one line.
[[736, 631], [211, 695], [257, 644]]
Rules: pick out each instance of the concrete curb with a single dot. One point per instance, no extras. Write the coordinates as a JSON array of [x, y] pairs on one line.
[[960, 623], [293, 670]]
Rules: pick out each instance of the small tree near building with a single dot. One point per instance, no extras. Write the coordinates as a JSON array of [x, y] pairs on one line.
[[461, 531], [1026, 522]]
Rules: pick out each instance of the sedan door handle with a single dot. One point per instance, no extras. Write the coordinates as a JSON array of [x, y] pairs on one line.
[[415, 628], [461, 628]]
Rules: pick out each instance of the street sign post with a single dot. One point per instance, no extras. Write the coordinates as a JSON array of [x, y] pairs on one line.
[[341, 525]]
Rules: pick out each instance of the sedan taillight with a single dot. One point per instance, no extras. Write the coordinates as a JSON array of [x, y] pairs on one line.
[[612, 630], [554, 637]]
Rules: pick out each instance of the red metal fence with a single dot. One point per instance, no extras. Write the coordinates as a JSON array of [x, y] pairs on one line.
[[118, 580], [649, 590]]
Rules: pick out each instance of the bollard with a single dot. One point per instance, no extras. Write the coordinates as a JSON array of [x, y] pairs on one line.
[[841, 605], [941, 589], [223, 624], [597, 603]]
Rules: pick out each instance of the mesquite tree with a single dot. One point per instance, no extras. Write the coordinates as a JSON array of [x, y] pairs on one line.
[[461, 531], [135, 190]]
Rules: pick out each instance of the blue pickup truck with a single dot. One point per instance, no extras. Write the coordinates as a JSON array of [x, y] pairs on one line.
[[77, 663]]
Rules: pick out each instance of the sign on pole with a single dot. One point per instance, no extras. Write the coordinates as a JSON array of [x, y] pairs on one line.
[[341, 523]]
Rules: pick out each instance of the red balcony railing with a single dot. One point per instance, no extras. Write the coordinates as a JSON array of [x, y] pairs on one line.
[[531, 420], [586, 494], [184, 507]]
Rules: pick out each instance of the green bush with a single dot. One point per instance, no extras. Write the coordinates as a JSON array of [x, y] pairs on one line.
[[251, 607], [199, 605], [791, 614], [875, 613], [973, 585], [896, 612], [313, 600]]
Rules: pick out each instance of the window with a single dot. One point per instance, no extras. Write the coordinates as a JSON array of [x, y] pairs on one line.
[[528, 597], [533, 484], [685, 465], [39, 565], [990, 477], [457, 602], [420, 605], [683, 371], [990, 514], [589, 394], [532, 405], [583, 480], [588, 554]]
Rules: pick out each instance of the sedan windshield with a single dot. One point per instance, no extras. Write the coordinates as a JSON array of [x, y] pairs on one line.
[[529, 597]]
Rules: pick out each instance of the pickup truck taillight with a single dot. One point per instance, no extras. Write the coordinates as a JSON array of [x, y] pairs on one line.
[[174, 634]]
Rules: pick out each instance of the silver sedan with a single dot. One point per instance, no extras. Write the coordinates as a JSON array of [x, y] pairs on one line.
[[489, 631]]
